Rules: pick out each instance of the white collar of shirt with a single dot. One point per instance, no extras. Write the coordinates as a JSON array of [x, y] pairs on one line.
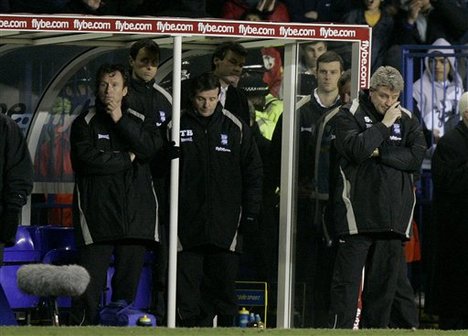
[[222, 95], [317, 98]]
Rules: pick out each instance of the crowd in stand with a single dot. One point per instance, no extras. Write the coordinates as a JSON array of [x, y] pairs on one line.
[[394, 22]]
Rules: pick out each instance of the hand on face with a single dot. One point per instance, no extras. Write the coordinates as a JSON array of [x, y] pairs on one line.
[[392, 114], [113, 108]]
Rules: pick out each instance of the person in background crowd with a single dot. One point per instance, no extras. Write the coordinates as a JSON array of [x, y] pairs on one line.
[[424, 22], [372, 14], [221, 190], [450, 176], [446, 19], [115, 205], [377, 136], [270, 10], [437, 92], [316, 11]]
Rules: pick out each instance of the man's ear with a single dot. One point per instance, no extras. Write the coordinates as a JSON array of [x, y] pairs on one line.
[[131, 61]]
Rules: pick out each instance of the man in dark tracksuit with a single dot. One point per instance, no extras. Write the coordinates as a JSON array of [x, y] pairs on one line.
[[145, 96], [450, 176], [312, 253], [380, 145], [16, 181], [220, 197], [115, 204]]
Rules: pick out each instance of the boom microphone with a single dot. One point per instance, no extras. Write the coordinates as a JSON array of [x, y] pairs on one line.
[[52, 280]]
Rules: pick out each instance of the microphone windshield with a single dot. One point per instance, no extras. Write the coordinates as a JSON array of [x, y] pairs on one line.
[[52, 280]]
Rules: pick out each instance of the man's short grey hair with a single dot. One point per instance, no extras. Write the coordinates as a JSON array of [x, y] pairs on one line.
[[387, 76]]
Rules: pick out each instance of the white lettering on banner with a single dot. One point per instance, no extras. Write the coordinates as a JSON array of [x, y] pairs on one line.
[[299, 32], [333, 32], [90, 25], [13, 24], [252, 30], [125, 25], [42, 24], [174, 27], [211, 28], [364, 51]]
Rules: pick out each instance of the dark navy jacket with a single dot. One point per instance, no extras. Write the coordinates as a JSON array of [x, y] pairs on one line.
[[114, 197], [375, 195], [220, 179]]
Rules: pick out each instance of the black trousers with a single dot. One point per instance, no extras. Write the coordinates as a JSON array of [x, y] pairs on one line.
[[128, 263], [383, 260], [403, 312], [206, 286]]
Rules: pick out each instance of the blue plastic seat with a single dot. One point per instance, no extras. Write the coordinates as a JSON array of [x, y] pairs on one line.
[[23, 252], [50, 237]]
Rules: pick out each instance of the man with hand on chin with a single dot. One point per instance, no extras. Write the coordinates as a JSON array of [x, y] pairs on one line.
[[115, 210], [380, 146]]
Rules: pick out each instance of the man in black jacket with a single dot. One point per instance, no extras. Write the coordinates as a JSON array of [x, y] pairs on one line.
[[16, 183], [147, 97], [115, 204], [380, 145], [220, 197], [312, 189], [450, 176]]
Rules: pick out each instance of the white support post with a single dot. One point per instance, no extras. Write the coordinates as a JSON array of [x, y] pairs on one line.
[[174, 188], [288, 180]]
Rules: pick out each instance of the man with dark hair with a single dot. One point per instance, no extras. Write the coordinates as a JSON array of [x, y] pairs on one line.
[[220, 197], [312, 190], [310, 52], [147, 97], [379, 145], [227, 63], [144, 95], [115, 204]]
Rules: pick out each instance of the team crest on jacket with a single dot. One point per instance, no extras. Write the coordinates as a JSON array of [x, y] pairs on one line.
[[368, 122], [396, 132], [162, 118], [224, 139], [186, 135], [224, 142]]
